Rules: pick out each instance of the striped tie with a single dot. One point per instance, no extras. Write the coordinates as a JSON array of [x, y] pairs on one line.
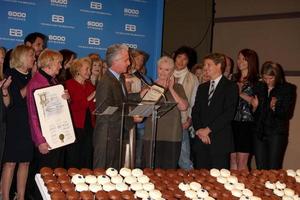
[[211, 91]]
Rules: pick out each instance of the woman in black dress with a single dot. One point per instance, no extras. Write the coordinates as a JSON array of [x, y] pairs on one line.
[[242, 125], [18, 146], [273, 104]]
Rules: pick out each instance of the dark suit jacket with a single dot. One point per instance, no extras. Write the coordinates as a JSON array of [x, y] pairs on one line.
[[269, 122], [218, 115], [107, 129]]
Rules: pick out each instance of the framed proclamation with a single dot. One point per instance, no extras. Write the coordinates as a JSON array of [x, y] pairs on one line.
[[54, 115]]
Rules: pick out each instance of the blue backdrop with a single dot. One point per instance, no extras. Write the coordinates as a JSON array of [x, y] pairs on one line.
[[86, 26]]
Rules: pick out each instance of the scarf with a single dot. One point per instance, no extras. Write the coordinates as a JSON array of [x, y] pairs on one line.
[[180, 75], [189, 82]]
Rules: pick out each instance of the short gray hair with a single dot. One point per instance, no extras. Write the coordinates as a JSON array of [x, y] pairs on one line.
[[113, 51], [167, 60]]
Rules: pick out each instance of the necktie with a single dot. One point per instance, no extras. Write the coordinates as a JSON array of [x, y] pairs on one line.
[[211, 91], [122, 81]]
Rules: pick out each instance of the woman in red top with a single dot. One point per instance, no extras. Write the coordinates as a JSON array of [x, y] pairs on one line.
[[82, 105]]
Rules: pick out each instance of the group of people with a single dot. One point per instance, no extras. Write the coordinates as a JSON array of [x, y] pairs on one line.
[[220, 117]]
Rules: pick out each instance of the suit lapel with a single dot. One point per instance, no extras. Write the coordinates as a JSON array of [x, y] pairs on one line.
[[116, 83]]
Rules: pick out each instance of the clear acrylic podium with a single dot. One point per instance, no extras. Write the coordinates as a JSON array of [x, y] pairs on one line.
[[147, 110], [143, 109]]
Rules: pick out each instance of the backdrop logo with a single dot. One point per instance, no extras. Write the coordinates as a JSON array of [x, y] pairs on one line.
[[94, 41], [59, 2], [131, 12], [15, 32], [130, 45], [95, 25], [58, 18], [16, 15], [57, 39], [96, 5], [130, 27]]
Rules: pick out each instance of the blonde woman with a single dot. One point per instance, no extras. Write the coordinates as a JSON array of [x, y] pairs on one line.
[[18, 146], [96, 70], [82, 94]]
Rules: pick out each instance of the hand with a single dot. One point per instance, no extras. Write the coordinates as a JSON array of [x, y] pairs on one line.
[[171, 82], [254, 102], [44, 148], [66, 95], [203, 134], [273, 103], [240, 85], [187, 124], [91, 96], [5, 83]]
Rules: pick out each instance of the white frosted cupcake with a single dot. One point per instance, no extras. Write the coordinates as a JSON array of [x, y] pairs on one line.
[[121, 187], [137, 172], [111, 172], [90, 179], [155, 194], [116, 179], [109, 187], [225, 173], [103, 179], [215, 172], [95, 188], [184, 186], [141, 194], [125, 172], [195, 186], [148, 186], [80, 187], [143, 179], [136, 186], [130, 179], [78, 178]]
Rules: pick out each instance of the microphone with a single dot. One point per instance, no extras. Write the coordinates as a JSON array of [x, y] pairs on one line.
[[141, 77]]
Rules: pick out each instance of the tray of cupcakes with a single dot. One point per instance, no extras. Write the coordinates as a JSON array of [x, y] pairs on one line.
[[102, 184]]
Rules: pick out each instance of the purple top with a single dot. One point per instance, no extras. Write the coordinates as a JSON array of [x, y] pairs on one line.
[[37, 81]]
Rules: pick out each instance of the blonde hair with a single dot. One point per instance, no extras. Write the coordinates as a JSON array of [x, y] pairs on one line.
[[18, 54], [2, 51], [101, 66], [47, 57], [77, 64]]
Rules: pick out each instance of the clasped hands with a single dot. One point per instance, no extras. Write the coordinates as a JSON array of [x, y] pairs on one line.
[[203, 135]]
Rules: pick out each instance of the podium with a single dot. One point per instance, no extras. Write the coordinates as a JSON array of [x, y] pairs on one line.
[[155, 111], [143, 109]]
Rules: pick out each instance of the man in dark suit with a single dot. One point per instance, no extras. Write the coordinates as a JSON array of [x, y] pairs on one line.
[[111, 91], [212, 114]]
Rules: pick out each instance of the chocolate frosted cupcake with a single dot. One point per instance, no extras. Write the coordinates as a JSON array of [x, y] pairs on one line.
[[114, 195], [72, 171], [127, 195], [86, 171], [101, 195], [67, 187], [53, 187], [58, 196], [99, 171], [60, 171], [44, 171], [86, 195], [72, 195]]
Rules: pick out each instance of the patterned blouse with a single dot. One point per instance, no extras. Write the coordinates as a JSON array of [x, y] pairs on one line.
[[244, 109]]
